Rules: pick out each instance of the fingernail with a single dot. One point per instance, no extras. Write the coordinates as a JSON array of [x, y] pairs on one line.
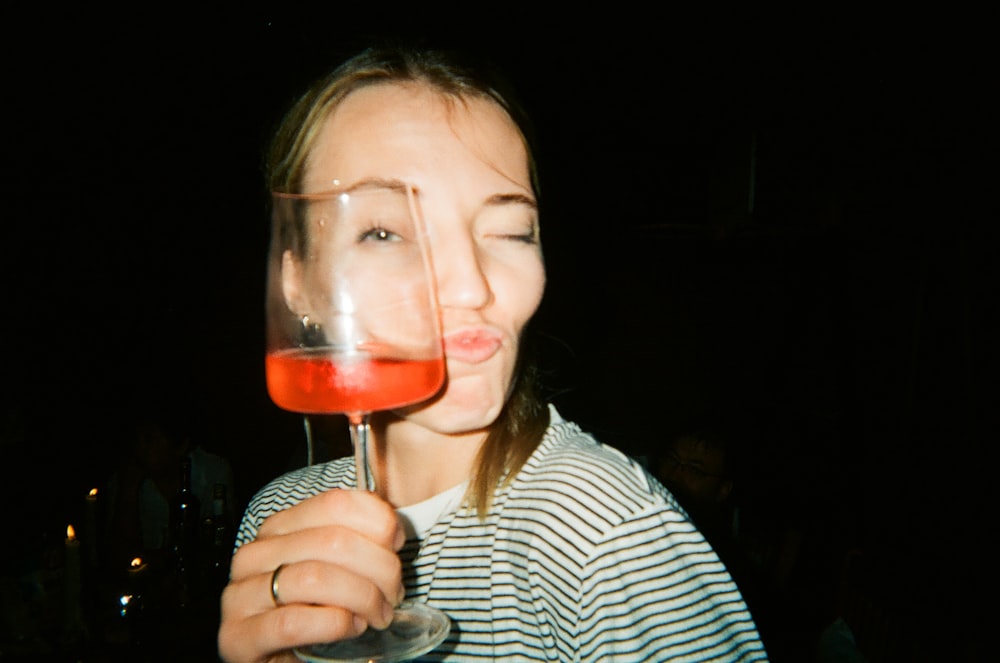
[[359, 625], [387, 614]]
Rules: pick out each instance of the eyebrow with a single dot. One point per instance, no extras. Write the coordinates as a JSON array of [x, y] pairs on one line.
[[377, 183], [366, 184], [499, 199], [395, 184]]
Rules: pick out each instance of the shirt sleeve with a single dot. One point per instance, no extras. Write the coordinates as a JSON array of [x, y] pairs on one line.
[[653, 590]]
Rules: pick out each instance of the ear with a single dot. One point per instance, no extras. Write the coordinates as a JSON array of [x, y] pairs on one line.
[[291, 283], [725, 488]]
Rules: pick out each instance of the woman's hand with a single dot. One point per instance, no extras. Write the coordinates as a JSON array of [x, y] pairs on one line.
[[339, 574]]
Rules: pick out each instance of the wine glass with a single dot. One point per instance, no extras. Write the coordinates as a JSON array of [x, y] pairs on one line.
[[353, 327]]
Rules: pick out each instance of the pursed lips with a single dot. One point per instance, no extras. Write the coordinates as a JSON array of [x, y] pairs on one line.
[[472, 346]]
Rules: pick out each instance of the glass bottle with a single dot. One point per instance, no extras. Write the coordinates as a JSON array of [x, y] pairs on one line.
[[185, 519], [218, 535]]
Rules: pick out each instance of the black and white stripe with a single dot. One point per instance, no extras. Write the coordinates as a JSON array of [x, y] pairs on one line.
[[584, 557]]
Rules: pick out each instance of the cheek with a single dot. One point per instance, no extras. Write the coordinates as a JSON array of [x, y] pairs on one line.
[[520, 292]]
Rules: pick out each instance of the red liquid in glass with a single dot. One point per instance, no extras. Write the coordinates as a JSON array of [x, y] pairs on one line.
[[314, 382]]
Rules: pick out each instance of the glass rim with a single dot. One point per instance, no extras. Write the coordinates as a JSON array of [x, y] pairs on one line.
[[362, 186]]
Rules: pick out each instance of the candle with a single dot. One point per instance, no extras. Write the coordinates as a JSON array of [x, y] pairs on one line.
[[91, 533], [136, 570], [135, 577], [72, 569]]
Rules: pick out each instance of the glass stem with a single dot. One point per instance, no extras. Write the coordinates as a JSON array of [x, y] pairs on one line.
[[359, 424], [307, 426]]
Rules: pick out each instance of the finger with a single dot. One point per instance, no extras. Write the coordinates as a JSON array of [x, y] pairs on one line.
[[345, 549], [317, 583], [313, 583], [265, 635], [359, 510]]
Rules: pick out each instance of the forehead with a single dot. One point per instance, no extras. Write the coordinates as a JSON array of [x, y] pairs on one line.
[[412, 130], [694, 448]]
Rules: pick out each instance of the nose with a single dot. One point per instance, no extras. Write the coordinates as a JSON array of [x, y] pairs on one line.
[[461, 273]]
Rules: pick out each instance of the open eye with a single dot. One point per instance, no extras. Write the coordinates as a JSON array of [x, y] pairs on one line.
[[378, 235]]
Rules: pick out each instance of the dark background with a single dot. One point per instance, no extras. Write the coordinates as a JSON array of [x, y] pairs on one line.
[[775, 222]]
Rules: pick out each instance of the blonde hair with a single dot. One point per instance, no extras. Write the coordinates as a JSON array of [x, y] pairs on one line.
[[522, 422], [294, 138]]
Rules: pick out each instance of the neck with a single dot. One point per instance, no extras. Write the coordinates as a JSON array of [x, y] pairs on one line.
[[412, 463]]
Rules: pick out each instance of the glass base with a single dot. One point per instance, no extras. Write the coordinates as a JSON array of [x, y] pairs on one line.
[[415, 630]]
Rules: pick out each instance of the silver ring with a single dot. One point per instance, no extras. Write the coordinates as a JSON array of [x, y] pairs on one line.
[[274, 586]]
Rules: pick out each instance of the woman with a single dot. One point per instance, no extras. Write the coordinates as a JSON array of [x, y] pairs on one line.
[[538, 542]]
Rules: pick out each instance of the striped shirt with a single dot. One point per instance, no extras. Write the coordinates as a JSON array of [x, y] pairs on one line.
[[583, 557]]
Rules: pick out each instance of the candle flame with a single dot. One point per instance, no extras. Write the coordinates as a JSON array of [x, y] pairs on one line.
[[70, 532], [136, 562], [93, 492]]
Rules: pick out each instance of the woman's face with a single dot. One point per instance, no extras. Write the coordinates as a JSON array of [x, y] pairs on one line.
[[468, 163]]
